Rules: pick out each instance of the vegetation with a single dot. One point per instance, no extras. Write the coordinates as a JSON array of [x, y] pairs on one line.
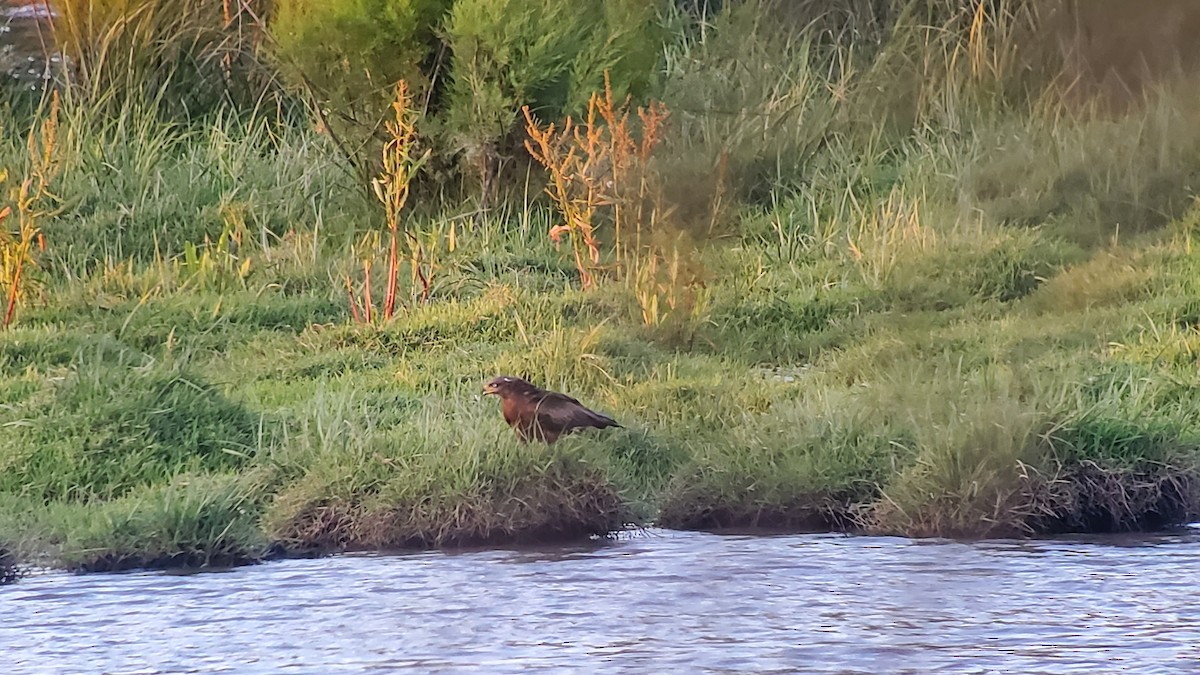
[[917, 268]]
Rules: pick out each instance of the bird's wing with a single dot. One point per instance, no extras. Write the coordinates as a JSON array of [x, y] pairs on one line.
[[559, 413]]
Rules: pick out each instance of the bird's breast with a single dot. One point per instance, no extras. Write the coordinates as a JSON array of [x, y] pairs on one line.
[[509, 409]]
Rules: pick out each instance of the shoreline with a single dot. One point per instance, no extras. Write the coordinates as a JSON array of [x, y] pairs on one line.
[[1123, 538]]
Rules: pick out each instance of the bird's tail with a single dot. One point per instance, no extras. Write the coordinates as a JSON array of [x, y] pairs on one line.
[[604, 421]]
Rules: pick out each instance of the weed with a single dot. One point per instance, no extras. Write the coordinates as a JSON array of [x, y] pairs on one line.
[[17, 249], [595, 164]]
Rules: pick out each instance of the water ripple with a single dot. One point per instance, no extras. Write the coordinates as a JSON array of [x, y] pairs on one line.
[[657, 601]]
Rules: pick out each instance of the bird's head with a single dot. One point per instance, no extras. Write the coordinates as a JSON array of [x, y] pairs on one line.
[[507, 385]]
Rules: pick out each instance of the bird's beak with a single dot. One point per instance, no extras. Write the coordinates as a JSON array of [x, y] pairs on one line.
[[488, 390]]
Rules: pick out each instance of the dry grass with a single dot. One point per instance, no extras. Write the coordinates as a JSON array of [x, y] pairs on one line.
[[599, 165], [31, 200], [885, 235]]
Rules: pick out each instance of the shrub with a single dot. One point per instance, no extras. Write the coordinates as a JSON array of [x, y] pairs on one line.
[[548, 54], [351, 53]]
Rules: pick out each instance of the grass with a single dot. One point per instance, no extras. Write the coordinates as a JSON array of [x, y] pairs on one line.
[[969, 314]]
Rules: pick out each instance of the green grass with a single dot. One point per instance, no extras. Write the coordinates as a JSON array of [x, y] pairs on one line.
[[193, 520], [361, 477], [958, 311]]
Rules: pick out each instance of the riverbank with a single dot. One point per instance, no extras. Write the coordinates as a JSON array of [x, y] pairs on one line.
[[190, 427], [9, 572], [980, 324]]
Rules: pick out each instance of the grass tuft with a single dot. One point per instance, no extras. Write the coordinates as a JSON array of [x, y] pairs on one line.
[[439, 479]]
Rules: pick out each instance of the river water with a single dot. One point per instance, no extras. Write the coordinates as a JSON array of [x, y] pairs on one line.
[[27, 53], [652, 602]]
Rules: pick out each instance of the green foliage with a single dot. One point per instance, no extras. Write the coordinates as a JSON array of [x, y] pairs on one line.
[[547, 54], [475, 63], [626, 43], [114, 423], [350, 53], [938, 304], [193, 521], [505, 54]]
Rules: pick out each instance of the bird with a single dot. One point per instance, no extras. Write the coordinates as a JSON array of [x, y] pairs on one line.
[[540, 415]]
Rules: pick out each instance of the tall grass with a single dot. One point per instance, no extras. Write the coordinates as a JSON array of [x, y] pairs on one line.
[[186, 57], [28, 209]]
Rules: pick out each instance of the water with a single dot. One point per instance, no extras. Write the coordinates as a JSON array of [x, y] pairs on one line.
[[27, 54], [659, 602]]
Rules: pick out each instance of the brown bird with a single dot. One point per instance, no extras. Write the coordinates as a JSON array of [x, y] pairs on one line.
[[540, 415]]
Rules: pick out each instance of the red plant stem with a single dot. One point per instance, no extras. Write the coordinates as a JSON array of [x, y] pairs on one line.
[[389, 303], [585, 277], [12, 292], [424, 285], [353, 302], [367, 289]]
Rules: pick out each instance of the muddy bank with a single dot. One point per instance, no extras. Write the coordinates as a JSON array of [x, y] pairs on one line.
[[1084, 498], [9, 571]]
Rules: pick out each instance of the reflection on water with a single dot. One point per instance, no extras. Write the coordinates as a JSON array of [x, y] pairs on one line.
[[662, 601], [25, 42]]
